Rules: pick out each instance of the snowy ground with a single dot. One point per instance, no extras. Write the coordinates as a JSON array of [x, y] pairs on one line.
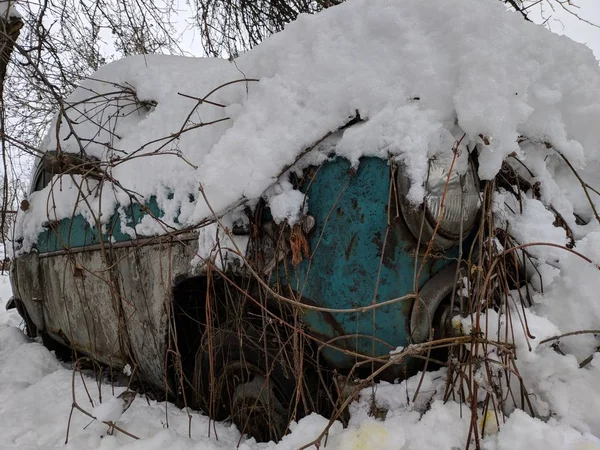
[[36, 393]]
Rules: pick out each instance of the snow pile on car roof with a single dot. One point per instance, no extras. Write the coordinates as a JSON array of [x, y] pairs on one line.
[[419, 75]]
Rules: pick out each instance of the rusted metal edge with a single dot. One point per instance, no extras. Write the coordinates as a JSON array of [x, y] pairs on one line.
[[186, 236]]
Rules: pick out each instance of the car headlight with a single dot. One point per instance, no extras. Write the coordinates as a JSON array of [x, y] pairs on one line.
[[460, 208]]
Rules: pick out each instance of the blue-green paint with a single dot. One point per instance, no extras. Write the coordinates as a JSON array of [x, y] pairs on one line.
[[78, 232], [353, 264]]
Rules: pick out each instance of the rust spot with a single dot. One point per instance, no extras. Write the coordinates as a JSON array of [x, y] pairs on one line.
[[78, 272], [390, 249], [328, 319], [339, 211], [62, 335], [354, 202], [299, 245], [355, 286], [377, 240], [351, 246], [388, 246]]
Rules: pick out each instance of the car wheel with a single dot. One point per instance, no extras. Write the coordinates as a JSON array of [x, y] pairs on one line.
[[243, 382], [30, 328]]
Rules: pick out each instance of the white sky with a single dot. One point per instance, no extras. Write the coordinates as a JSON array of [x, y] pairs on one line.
[[564, 23]]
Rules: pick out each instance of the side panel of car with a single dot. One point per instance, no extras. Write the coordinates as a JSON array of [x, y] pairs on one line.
[[27, 282], [147, 276], [361, 254], [109, 303], [79, 303], [77, 232], [109, 294]]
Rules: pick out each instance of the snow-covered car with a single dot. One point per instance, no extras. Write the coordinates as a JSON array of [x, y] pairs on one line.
[[123, 298], [236, 231]]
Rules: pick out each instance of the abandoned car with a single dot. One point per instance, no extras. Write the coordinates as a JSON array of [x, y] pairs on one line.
[[249, 307], [123, 299]]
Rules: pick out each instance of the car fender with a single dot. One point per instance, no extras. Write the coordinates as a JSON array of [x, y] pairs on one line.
[[427, 302]]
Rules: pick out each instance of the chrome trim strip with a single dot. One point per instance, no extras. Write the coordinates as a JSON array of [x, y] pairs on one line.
[[183, 236]]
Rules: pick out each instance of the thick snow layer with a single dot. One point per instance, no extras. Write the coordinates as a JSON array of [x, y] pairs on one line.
[[420, 76], [110, 410]]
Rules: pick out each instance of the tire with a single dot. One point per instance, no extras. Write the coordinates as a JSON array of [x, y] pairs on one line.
[[62, 352], [30, 328], [248, 384]]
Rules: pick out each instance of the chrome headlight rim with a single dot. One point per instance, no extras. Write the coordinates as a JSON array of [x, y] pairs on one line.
[[421, 220]]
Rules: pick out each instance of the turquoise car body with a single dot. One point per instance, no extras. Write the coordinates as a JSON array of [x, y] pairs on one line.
[[361, 254]]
